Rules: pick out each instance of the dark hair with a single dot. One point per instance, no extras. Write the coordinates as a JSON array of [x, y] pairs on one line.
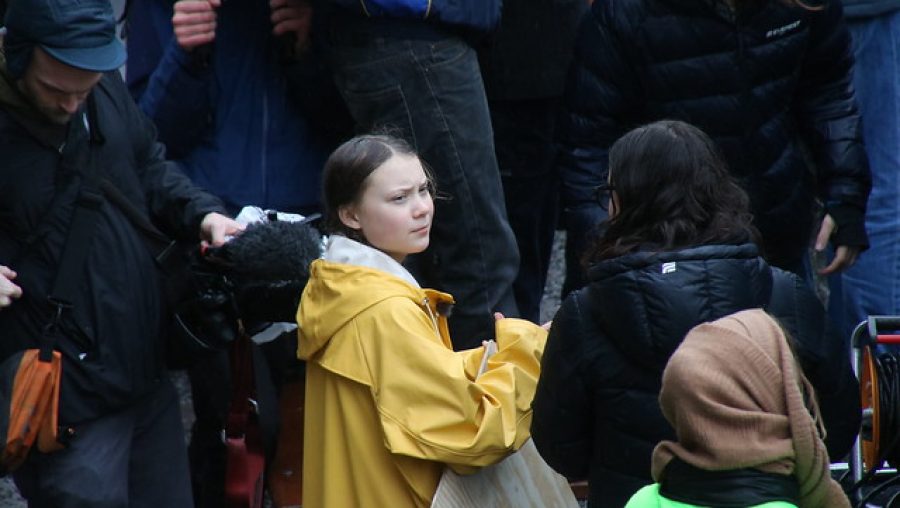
[[673, 190], [347, 171]]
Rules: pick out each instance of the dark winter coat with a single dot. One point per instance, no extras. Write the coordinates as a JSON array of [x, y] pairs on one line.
[[527, 57], [756, 82], [240, 124], [112, 338], [596, 414]]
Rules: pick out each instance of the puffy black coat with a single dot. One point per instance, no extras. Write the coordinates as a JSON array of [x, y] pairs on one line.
[[756, 82], [596, 413], [112, 347]]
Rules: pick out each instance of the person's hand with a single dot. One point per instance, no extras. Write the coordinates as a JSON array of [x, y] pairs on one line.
[[8, 290], [498, 316], [194, 22], [292, 17], [215, 228], [844, 255]]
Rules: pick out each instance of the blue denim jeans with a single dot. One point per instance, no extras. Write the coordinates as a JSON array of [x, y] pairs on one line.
[[872, 286], [430, 92]]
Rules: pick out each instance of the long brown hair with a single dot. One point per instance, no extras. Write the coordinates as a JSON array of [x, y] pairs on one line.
[[672, 190], [347, 170]]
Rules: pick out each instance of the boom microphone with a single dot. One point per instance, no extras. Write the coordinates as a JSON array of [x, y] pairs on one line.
[[254, 279], [269, 251]]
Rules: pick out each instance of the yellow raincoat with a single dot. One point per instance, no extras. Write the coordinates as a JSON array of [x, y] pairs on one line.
[[389, 403]]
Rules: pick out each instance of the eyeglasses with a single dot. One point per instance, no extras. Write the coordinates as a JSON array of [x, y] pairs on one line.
[[603, 193]]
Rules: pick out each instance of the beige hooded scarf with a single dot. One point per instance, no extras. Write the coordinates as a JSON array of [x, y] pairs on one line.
[[737, 398]]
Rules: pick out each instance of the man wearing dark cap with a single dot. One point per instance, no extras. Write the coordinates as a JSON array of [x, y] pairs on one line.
[[70, 140]]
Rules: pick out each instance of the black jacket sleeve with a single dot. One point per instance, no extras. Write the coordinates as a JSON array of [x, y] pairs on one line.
[[175, 204], [171, 86], [562, 422], [824, 356], [830, 120]]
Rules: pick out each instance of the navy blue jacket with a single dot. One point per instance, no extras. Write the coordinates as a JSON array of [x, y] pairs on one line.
[[596, 413], [757, 82], [234, 123]]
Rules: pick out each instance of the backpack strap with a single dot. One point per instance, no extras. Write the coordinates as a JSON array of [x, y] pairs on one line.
[[87, 207], [161, 247]]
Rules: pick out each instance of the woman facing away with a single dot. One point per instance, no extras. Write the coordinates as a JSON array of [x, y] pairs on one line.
[[770, 81], [749, 430], [389, 404], [678, 251]]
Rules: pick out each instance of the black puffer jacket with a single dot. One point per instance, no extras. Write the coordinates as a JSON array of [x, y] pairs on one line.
[[112, 338], [596, 413], [755, 82]]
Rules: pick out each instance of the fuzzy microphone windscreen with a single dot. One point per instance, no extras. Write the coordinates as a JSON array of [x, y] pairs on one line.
[[271, 251]]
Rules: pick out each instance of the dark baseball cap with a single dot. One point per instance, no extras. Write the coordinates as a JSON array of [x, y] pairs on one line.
[[79, 33]]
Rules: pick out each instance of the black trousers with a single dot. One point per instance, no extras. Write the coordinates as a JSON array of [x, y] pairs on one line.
[[523, 137], [133, 458]]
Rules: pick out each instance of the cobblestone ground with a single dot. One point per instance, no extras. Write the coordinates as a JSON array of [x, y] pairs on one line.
[[9, 497]]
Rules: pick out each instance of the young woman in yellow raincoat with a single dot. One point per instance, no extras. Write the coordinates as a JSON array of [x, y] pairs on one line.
[[389, 404]]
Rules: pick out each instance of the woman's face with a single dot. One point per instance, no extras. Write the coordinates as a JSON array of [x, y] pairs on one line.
[[395, 210]]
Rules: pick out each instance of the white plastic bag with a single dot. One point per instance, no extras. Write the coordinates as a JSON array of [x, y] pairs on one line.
[[521, 480]]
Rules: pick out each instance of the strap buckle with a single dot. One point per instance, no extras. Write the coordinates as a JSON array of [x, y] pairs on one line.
[[59, 307]]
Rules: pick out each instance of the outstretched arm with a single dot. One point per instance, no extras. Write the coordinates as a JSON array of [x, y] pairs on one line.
[[473, 420]]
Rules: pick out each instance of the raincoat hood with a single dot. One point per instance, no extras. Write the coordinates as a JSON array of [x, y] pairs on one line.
[[350, 279]]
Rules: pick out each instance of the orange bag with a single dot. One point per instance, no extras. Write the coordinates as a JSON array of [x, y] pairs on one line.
[[29, 394]]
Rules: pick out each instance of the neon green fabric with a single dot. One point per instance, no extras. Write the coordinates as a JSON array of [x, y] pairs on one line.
[[649, 497]]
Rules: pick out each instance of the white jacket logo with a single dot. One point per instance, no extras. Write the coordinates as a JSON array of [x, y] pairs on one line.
[[669, 267], [775, 32]]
